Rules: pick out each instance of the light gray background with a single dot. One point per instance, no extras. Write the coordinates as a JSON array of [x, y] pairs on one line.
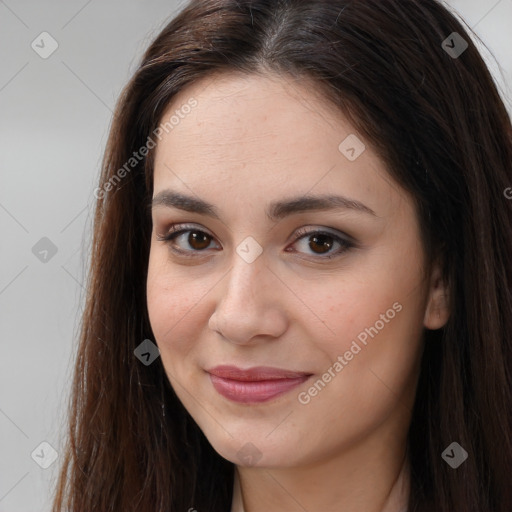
[[54, 119]]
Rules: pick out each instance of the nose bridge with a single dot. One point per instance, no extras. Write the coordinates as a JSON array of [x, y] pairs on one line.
[[245, 281], [242, 308]]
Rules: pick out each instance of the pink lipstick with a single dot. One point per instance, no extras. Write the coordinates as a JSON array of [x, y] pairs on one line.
[[254, 385]]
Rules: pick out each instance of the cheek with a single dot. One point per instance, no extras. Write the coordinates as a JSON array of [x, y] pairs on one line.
[[364, 381], [171, 298], [376, 326], [355, 303]]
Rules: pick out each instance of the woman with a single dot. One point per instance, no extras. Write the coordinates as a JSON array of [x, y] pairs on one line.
[[367, 369]]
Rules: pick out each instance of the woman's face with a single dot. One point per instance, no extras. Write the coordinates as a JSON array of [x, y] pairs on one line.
[[274, 273]]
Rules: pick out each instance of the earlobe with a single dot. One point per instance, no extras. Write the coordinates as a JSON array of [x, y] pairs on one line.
[[438, 308]]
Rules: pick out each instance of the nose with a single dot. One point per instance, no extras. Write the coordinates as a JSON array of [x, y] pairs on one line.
[[250, 303]]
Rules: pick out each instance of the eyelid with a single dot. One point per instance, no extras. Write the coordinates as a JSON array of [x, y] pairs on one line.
[[176, 229], [302, 231]]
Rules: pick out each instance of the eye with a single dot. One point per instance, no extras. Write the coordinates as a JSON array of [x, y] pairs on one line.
[[197, 239], [319, 242]]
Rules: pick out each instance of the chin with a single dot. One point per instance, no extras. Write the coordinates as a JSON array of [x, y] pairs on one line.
[[254, 450]]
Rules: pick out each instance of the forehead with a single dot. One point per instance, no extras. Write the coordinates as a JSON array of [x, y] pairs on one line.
[[255, 135], [269, 116]]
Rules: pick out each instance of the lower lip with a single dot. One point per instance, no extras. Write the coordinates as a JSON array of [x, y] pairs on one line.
[[254, 391]]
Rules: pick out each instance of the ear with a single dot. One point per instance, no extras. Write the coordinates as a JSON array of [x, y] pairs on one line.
[[438, 308]]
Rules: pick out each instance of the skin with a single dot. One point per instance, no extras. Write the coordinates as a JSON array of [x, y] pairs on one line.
[[252, 140]]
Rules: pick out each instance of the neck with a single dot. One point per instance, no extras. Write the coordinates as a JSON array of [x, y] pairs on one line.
[[383, 488]]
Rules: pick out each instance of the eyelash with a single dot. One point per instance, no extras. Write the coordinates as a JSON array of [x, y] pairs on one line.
[[177, 230]]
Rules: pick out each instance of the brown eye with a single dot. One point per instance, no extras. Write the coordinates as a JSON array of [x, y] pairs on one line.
[[196, 241], [321, 243], [190, 241]]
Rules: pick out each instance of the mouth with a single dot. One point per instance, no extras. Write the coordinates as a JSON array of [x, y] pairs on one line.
[[254, 385]]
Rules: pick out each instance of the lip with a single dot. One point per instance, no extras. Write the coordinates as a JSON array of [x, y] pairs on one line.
[[254, 385]]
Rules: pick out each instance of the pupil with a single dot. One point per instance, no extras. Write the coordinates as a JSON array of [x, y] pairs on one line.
[[323, 238], [194, 238]]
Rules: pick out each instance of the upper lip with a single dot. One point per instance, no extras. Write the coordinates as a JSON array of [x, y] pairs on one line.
[[255, 373]]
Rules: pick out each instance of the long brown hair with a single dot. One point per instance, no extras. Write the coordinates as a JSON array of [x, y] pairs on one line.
[[438, 122]]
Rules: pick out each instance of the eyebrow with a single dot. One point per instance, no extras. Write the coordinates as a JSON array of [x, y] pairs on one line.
[[276, 210]]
